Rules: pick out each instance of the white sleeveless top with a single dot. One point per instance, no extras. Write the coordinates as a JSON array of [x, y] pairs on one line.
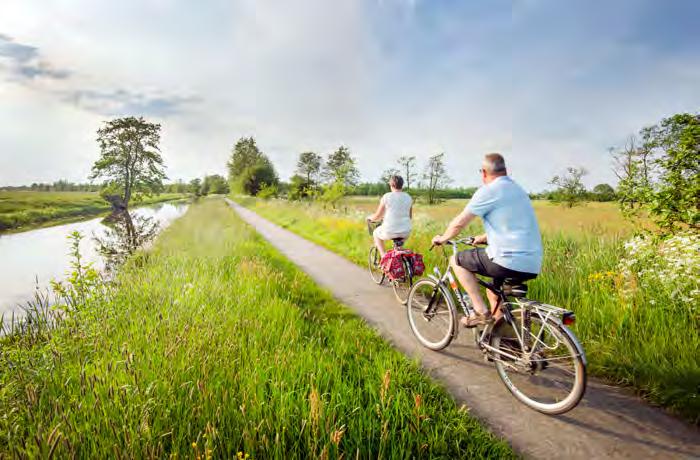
[[397, 218]]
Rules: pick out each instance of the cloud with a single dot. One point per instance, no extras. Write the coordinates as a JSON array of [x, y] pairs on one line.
[[24, 62], [121, 102]]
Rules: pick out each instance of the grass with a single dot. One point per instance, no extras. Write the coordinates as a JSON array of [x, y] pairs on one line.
[[213, 344], [646, 340], [23, 209]]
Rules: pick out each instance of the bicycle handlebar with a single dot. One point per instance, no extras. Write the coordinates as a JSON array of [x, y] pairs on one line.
[[454, 243]]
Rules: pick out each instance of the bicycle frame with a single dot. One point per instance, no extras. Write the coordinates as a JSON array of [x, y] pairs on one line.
[[527, 307]]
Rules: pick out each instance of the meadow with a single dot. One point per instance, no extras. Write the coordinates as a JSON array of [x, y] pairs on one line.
[[213, 345], [646, 339], [25, 209]]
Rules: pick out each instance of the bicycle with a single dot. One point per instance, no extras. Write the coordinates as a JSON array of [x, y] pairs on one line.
[[401, 286], [536, 355]]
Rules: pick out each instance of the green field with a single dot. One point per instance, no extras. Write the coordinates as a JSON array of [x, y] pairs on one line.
[[646, 339], [23, 209], [213, 344]]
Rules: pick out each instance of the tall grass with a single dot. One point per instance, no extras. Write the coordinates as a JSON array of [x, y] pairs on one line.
[[19, 209], [644, 339], [211, 345]]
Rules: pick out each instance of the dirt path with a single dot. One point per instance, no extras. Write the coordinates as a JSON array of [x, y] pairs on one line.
[[609, 422]]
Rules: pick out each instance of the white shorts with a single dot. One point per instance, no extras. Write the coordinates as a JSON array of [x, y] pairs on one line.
[[380, 233]]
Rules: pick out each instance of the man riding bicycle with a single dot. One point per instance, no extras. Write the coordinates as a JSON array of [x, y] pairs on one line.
[[513, 236]]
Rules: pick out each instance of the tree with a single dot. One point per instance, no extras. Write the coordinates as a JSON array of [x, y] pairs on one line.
[[195, 187], [673, 147], [435, 175], [249, 169], [603, 192], [309, 166], [570, 189], [631, 165], [130, 158], [340, 168], [214, 184], [407, 164], [257, 177]]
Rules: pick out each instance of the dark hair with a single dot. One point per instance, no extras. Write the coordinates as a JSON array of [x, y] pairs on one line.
[[396, 181]]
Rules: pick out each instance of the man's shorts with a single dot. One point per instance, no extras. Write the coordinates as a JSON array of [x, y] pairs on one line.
[[477, 261]]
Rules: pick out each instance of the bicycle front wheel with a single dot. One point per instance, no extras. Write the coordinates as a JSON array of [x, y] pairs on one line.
[[402, 287], [432, 314], [550, 376], [375, 270]]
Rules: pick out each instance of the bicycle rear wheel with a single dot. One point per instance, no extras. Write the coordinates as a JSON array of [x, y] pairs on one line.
[[375, 270], [432, 314], [402, 287], [551, 376]]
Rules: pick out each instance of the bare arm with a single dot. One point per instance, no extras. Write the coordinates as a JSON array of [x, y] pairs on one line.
[[379, 213], [455, 227]]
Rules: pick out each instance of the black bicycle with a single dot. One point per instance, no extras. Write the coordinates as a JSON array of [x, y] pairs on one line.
[[537, 356], [402, 286]]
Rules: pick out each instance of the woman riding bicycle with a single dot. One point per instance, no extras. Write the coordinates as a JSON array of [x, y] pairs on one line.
[[396, 208]]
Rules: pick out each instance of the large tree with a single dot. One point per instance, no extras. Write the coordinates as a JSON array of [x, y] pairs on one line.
[[661, 173], [407, 165], [249, 169], [130, 158], [570, 189], [435, 175], [309, 166], [340, 168]]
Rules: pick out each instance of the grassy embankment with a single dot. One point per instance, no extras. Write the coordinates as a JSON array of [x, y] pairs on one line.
[[214, 344], [646, 340], [25, 209]]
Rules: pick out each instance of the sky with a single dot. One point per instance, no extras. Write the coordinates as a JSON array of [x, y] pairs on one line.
[[549, 83]]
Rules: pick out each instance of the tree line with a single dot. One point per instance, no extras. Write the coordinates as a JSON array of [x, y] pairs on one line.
[[658, 171], [335, 176]]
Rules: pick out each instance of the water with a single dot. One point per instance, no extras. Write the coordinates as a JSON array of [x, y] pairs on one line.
[[31, 259]]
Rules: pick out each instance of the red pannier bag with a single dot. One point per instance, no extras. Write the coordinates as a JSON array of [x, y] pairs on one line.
[[392, 265], [418, 264]]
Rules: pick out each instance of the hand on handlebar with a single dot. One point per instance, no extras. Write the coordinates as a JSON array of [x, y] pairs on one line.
[[437, 241]]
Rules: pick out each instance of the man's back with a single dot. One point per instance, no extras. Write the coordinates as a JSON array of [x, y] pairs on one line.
[[510, 223]]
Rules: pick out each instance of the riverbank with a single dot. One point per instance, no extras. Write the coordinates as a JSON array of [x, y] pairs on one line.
[[214, 344], [26, 210]]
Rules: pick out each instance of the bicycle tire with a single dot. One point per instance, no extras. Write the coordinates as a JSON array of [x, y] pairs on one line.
[[446, 314], [402, 288], [375, 271], [578, 365]]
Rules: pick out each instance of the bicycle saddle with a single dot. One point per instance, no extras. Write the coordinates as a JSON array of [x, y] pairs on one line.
[[398, 241], [515, 287]]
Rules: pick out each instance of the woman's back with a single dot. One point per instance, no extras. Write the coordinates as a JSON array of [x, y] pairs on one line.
[[397, 217]]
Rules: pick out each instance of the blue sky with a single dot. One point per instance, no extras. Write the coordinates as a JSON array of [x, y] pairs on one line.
[[550, 83]]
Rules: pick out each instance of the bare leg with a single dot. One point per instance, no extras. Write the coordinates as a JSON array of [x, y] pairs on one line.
[[470, 284], [379, 243], [493, 300]]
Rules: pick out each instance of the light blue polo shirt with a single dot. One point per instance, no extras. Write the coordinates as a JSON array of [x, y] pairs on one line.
[[511, 226]]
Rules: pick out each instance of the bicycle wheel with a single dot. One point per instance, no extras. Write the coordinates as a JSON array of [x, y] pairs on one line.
[[551, 378], [433, 323], [375, 271], [402, 287]]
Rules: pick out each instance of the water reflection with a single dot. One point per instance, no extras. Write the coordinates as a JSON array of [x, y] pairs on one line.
[[125, 233], [30, 260]]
